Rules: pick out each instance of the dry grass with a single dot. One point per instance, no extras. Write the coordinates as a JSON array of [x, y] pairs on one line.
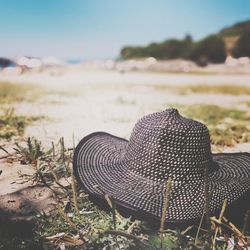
[[247, 104], [227, 126], [225, 89], [10, 92], [14, 125], [215, 89]]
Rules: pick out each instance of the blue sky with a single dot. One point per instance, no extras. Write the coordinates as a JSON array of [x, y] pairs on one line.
[[99, 28]]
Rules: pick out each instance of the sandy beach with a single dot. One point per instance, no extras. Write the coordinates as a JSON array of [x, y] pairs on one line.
[[78, 102]]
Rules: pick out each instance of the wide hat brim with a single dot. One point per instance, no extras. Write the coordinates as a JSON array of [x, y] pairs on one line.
[[100, 168]]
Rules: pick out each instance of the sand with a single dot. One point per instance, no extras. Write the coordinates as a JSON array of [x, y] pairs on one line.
[[79, 102]]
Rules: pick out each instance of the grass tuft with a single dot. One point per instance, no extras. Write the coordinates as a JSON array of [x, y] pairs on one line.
[[31, 152], [14, 125], [10, 92], [215, 89], [226, 89]]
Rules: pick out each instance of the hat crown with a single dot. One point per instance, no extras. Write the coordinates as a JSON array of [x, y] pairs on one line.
[[166, 145]]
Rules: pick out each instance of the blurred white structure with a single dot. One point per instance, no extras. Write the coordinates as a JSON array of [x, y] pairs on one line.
[[231, 61], [51, 61], [29, 62]]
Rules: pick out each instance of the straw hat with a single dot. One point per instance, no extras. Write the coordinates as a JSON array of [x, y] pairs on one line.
[[162, 145]]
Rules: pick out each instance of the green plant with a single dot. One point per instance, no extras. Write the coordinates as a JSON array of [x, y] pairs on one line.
[[242, 46], [32, 152], [50, 165], [12, 124]]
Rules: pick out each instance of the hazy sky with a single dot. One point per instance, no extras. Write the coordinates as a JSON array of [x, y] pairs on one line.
[[99, 28]]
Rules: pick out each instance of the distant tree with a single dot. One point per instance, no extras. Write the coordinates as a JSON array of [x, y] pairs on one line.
[[173, 48], [242, 46], [188, 38], [134, 52], [211, 49], [169, 49]]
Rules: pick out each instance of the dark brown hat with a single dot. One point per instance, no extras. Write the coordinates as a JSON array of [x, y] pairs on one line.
[[162, 145]]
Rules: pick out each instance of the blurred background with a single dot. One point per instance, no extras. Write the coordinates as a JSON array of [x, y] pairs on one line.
[[77, 31], [69, 68]]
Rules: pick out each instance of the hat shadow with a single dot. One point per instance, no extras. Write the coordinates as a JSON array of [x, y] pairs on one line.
[[236, 213]]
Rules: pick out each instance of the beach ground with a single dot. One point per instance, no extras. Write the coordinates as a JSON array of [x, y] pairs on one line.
[[76, 102]]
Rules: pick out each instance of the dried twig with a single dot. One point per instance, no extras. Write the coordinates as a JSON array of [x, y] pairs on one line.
[[218, 228], [56, 178], [225, 222], [236, 231], [199, 228], [73, 184], [131, 227], [207, 198], [109, 201], [42, 179], [2, 148], [165, 208], [113, 210], [6, 156], [191, 227], [53, 149], [62, 149], [64, 238]]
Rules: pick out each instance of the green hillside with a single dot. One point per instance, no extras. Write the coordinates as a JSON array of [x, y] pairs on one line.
[[235, 30], [214, 48]]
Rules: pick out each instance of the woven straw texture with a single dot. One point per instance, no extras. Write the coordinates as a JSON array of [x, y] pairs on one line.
[[162, 145]]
